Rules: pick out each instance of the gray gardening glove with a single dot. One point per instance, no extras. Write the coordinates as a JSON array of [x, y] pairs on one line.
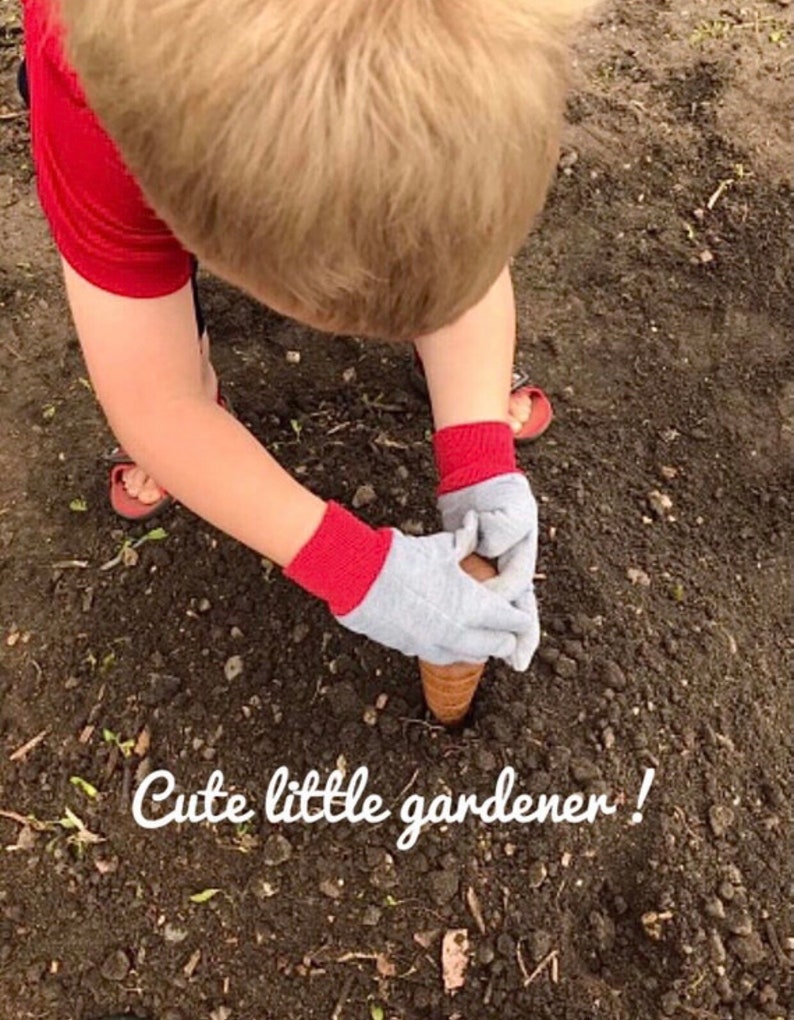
[[423, 604], [508, 535]]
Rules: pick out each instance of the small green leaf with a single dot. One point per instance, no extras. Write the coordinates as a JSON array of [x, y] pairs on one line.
[[78, 506], [84, 382], [109, 736], [296, 427], [70, 820], [204, 895], [376, 1011], [85, 786], [156, 535], [48, 412], [390, 900]]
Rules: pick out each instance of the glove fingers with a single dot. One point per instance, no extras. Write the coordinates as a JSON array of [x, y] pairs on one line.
[[495, 613], [527, 644], [515, 572], [473, 645]]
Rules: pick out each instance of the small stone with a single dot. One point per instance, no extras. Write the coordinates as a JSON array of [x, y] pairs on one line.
[[584, 771], [726, 891], [371, 916], [233, 667], [277, 850], [332, 888], [363, 496], [723, 988], [263, 889], [384, 874], [293, 357], [443, 886], [485, 759], [739, 922], [660, 503], [670, 1003], [717, 952], [506, 946], [485, 954], [204, 605], [748, 948], [548, 654], [349, 375], [539, 945], [115, 967], [536, 874], [638, 577], [715, 908], [370, 715], [565, 667], [300, 632], [721, 818], [613, 676], [174, 934], [412, 527]]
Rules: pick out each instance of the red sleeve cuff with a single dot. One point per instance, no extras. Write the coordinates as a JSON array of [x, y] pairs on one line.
[[467, 454], [341, 560]]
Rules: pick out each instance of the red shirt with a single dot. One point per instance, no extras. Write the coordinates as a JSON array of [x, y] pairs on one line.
[[99, 219]]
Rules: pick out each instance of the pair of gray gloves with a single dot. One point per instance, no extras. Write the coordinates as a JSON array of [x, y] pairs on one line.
[[423, 604]]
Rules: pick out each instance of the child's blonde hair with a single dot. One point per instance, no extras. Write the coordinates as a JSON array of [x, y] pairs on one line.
[[373, 163]]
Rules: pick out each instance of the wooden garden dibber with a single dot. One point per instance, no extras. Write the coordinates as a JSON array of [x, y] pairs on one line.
[[449, 690]]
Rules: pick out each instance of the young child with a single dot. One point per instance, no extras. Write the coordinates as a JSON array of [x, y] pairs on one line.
[[363, 167]]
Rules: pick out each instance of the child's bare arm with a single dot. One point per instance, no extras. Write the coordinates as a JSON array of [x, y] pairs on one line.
[[144, 361], [468, 364]]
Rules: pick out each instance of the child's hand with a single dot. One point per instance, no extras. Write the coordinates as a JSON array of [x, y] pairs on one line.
[[419, 601], [478, 471]]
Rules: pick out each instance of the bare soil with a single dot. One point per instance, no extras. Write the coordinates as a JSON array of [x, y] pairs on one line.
[[654, 307]]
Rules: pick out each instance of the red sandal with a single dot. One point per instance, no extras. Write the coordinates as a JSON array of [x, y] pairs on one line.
[[126, 506]]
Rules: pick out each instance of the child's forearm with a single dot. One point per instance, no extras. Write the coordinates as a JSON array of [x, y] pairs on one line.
[[146, 366], [212, 464], [468, 363]]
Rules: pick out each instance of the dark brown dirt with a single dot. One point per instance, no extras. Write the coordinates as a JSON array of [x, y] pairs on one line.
[[659, 323]]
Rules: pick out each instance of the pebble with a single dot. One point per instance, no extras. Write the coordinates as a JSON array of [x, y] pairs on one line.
[[748, 948], [233, 667], [715, 908], [548, 654], [332, 888], [739, 922], [277, 849], [484, 759], [173, 934], [506, 945], [613, 676], [721, 818], [539, 945], [443, 886], [723, 988], [726, 891], [536, 874], [371, 916], [363, 496], [115, 967], [384, 874], [717, 952], [566, 667], [670, 1003], [300, 632], [485, 954]]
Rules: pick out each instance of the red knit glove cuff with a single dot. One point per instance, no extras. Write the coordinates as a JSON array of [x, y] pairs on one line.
[[341, 560], [467, 454]]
